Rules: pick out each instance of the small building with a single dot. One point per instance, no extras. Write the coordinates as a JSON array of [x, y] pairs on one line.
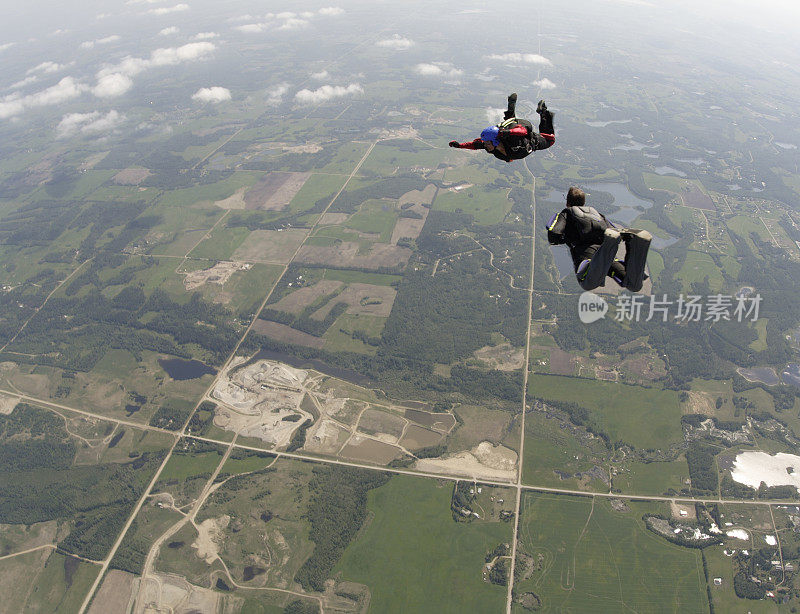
[[717, 581]]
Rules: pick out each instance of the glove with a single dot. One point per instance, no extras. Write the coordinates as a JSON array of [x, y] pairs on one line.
[[453, 143]]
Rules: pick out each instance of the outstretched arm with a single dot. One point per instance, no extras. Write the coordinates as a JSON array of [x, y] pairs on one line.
[[556, 228], [476, 144]]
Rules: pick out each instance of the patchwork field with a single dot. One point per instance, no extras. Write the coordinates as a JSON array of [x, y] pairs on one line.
[[407, 513], [579, 553]]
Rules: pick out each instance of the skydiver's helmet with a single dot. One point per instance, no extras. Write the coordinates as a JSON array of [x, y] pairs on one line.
[[490, 135]]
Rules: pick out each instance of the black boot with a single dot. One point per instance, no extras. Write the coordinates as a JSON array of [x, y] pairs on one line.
[[512, 104]]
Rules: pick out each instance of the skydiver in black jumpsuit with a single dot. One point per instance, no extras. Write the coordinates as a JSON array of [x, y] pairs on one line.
[[593, 242]]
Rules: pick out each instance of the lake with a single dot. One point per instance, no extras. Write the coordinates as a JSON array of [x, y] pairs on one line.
[[629, 205], [180, 369], [563, 260], [765, 375], [791, 374]]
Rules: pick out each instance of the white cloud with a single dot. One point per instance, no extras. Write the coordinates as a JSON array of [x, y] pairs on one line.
[[166, 56], [112, 85], [438, 69], [165, 10], [544, 84], [327, 92], [201, 36], [494, 115], [168, 31], [213, 95], [275, 94], [46, 67], [520, 58], [320, 76], [114, 80], [397, 42], [66, 89], [88, 123], [24, 82], [286, 15], [472, 11], [331, 11], [100, 41], [5, 46], [252, 28], [293, 24]]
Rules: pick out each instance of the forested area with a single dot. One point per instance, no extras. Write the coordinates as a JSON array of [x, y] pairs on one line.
[[445, 318], [39, 482], [336, 511], [74, 331]]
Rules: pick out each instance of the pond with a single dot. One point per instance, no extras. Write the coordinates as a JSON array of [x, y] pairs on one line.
[[180, 369], [764, 375], [668, 170]]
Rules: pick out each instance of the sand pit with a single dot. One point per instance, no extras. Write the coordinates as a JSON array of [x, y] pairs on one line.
[[504, 357], [326, 437], [131, 176], [262, 400], [275, 191], [484, 461], [220, 273], [7, 404], [298, 300], [209, 535], [173, 593]]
